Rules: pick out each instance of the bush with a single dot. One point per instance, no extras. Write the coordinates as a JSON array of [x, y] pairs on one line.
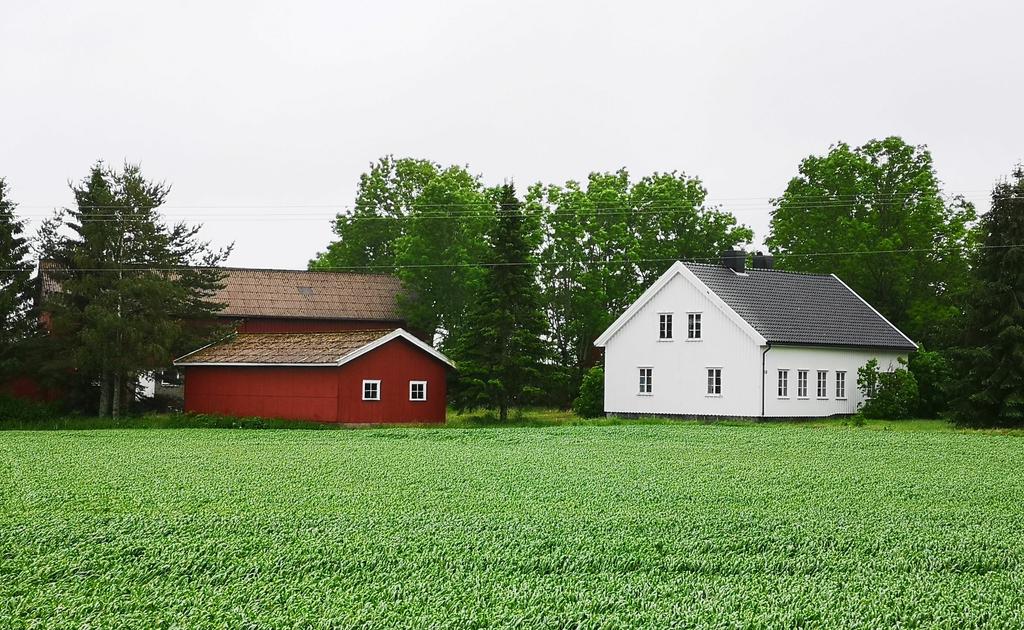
[[19, 411], [590, 402], [889, 395], [934, 375]]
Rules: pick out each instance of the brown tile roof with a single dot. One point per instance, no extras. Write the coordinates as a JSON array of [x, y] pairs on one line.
[[309, 294], [293, 294], [284, 348]]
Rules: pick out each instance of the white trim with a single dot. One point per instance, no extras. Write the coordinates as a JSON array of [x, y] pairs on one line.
[[395, 334], [650, 381], [677, 268], [874, 311], [721, 387], [424, 384], [373, 381]]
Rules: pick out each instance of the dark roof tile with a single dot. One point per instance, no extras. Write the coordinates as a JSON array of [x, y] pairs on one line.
[[800, 308]]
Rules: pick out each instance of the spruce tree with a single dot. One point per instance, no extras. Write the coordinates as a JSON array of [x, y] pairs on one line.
[[501, 349], [15, 283], [993, 386], [131, 287]]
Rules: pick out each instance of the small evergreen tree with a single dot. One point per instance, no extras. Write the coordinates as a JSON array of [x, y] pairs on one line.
[[993, 364], [15, 295], [500, 350]]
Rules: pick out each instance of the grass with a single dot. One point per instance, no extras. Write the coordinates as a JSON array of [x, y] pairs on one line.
[[562, 526]]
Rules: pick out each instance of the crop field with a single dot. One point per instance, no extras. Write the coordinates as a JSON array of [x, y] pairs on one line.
[[614, 526]]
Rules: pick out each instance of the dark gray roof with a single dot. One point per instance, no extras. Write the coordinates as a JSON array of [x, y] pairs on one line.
[[800, 308]]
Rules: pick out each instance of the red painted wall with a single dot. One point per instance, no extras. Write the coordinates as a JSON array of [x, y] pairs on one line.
[[324, 394], [294, 393], [284, 325], [394, 364]]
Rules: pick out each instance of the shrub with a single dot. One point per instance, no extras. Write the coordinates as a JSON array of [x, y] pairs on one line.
[[934, 375], [590, 402], [890, 395], [17, 411]]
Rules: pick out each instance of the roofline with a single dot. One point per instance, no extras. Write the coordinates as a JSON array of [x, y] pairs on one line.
[[678, 268], [188, 354], [395, 320], [311, 365], [826, 346], [271, 270], [909, 340], [395, 334], [398, 333]]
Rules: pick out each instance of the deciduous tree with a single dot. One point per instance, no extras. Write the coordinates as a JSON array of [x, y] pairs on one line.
[[875, 216]]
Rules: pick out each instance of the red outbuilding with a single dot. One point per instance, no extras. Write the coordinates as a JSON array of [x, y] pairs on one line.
[[353, 376]]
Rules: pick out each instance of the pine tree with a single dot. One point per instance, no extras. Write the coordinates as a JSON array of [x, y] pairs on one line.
[[501, 349], [130, 285], [15, 283], [993, 387]]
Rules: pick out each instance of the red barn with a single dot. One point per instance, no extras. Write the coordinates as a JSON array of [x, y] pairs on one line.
[[353, 376]]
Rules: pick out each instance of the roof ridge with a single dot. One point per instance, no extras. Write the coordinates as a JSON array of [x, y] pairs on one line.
[[749, 269], [303, 271]]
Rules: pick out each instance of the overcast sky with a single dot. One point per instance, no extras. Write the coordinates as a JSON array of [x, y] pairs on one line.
[[263, 115]]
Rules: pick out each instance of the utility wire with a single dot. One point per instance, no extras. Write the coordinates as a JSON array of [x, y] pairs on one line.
[[627, 261], [478, 213]]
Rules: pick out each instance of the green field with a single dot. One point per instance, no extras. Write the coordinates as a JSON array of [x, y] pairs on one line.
[[616, 526]]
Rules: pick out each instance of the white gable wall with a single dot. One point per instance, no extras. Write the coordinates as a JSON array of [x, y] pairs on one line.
[[795, 358], [680, 366]]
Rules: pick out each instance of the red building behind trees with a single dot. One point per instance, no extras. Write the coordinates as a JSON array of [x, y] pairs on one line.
[[304, 343]]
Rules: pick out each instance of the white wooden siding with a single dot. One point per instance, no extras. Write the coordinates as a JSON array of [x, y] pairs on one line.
[[680, 366], [795, 358]]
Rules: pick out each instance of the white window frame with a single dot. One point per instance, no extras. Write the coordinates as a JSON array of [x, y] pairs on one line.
[[801, 394], [821, 387], [716, 385], [782, 384], [413, 383], [694, 326], [662, 317], [650, 380], [371, 382], [840, 384]]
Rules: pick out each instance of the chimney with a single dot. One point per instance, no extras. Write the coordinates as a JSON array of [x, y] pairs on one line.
[[763, 261], [735, 259]]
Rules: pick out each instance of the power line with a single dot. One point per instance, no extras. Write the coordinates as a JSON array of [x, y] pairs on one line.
[[626, 261], [458, 215], [339, 206]]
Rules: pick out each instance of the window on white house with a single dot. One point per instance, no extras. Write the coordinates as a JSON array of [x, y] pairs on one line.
[[371, 390], [822, 383], [783, 383], [841, 385], [693, 326], [801, 383], [664, 325], [417, 390], [714, 381], [646, 377]]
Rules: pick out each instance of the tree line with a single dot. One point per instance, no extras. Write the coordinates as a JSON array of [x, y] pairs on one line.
[[515, 288]]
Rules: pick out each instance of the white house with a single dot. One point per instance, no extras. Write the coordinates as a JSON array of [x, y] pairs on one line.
[[723, 340]]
